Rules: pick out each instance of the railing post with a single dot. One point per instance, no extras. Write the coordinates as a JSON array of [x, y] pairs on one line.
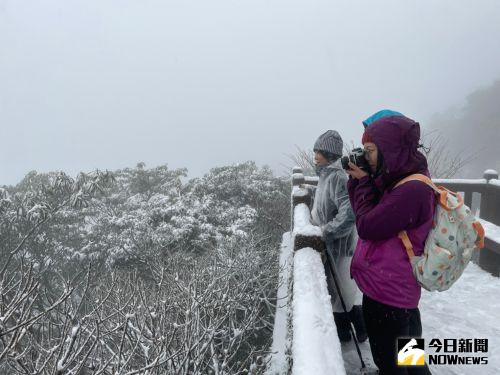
[[303, 237], [468, 198], [297, 179], [490, 200], [490, 174], [489, 260]]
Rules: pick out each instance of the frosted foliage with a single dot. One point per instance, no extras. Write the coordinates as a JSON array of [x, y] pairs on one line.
[[141, 213], [140, 271], [189, 315]]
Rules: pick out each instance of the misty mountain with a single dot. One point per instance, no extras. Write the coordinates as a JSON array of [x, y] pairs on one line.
[[473, 130]]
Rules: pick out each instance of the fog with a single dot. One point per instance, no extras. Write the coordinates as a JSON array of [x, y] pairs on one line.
[[472, 131], [105, 84]]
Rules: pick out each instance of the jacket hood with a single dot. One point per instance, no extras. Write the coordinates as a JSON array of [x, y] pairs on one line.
[[397, 139]]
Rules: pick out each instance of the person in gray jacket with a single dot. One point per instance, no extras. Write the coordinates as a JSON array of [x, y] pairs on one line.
[[332, 212]]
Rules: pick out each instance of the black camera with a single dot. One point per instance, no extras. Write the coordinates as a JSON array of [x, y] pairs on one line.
[[357, 157]]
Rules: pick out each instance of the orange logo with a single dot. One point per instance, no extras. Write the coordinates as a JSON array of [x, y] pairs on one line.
[[411, 352]]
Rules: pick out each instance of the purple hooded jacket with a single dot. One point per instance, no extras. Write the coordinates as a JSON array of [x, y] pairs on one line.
[[380, 264]]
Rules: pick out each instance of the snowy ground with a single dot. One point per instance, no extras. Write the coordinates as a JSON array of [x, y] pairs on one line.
[[351, 358], [350, 355], [469, 309]]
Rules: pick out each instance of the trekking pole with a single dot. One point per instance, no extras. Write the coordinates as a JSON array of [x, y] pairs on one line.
[[330, 264]]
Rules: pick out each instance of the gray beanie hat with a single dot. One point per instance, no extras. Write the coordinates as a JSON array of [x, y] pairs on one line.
[[329, 142]]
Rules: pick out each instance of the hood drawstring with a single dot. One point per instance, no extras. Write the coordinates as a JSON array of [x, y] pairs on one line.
[[423, 147]]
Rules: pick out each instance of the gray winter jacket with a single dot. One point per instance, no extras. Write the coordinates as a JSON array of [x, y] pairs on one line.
[[332, 211]]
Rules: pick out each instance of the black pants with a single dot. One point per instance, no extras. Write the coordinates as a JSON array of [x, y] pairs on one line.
[[384, 324]]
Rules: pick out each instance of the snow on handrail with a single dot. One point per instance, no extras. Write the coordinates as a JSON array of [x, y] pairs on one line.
[[490, 178], [315, 345], [494, 182], [465, 181], [302, 222], [299, 192]]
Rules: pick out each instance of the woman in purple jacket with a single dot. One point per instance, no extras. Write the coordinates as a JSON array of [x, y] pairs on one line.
[[380, 265]]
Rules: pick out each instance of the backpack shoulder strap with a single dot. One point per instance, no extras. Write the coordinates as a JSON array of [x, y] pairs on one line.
[[403, 236], [418, 177], [441, 192]]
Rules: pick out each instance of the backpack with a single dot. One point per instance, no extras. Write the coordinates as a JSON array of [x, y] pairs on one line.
[[455, 234]]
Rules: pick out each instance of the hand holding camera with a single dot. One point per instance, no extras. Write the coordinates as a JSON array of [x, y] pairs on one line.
[[355, 163]]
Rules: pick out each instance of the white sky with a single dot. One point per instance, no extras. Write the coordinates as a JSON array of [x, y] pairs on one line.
[[90, 84]]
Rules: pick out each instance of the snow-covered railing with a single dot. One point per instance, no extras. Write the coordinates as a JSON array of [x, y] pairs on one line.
[[483, 194], [298, 177], [310, 344]]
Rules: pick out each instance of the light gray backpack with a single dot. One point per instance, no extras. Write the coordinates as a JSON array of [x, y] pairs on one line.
[[455, 234]]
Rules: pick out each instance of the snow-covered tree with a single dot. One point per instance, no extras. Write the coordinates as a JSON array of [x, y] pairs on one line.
[[136, 271]]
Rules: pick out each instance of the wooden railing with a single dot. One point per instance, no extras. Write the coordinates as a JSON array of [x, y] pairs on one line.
[[307, 347]]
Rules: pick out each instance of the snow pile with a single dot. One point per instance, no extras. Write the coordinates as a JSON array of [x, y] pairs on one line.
[[302, 222], [281, 335], [299, 192], [494, 182], [470, 309], [316, 347], [491, 171], [464, 181], [297, 176]]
